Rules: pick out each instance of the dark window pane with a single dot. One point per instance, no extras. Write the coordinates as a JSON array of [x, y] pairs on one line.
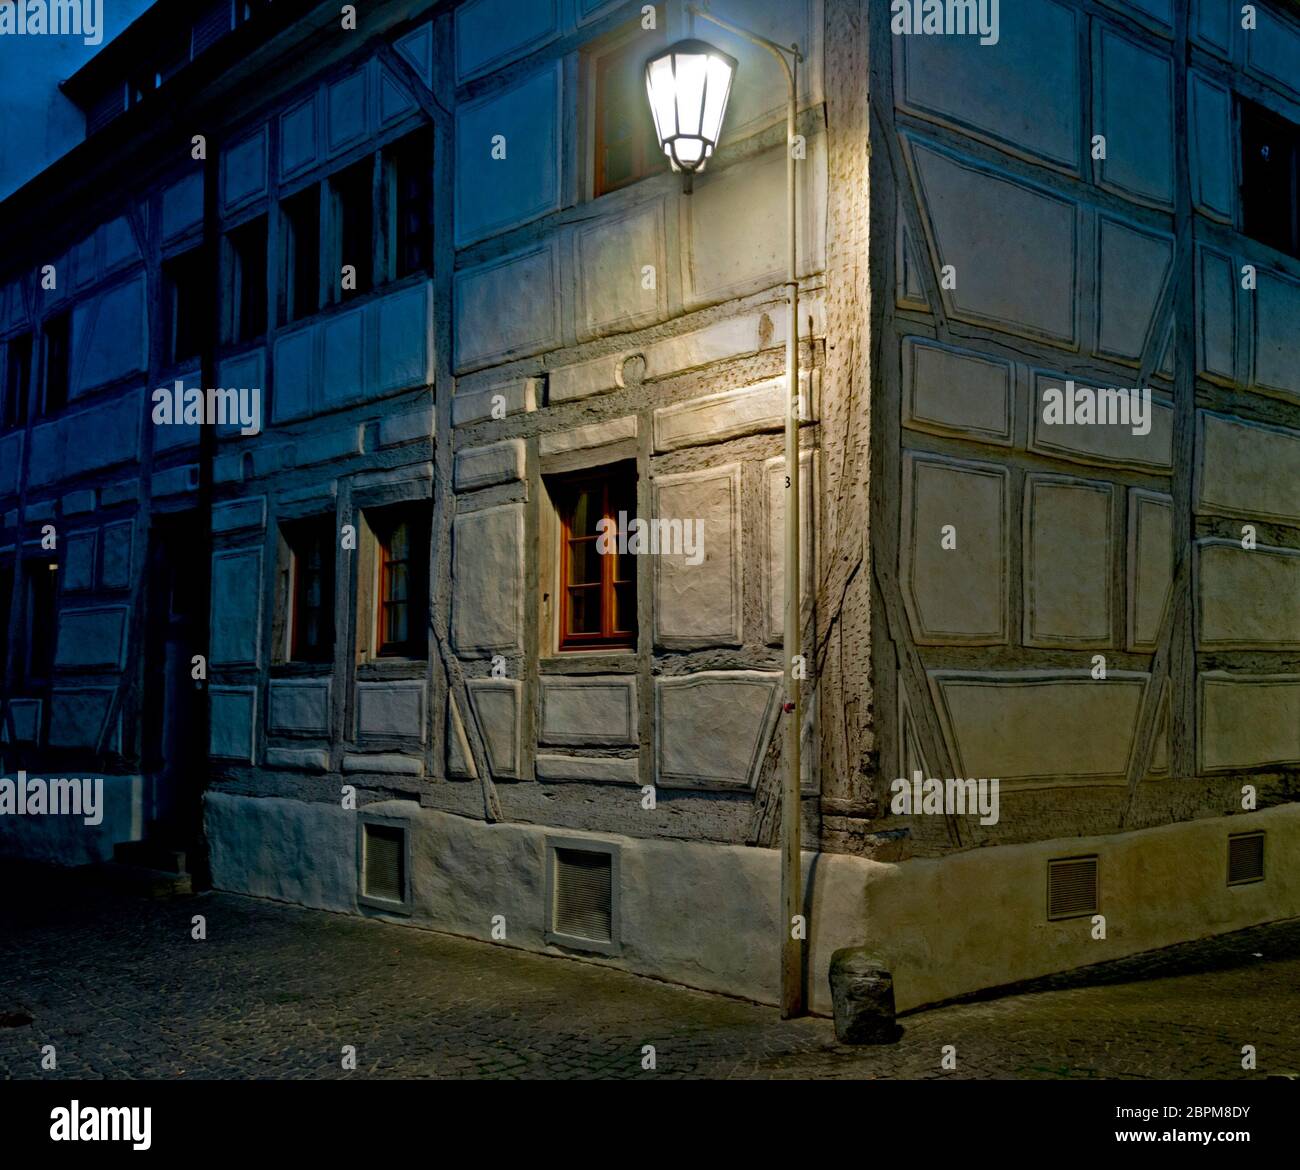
[[1270, 182], [18, 377], [248, 281], [55, 397], [301, 254], [353, 218]]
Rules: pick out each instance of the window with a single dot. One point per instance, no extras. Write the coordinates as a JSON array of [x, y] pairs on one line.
[[247, 281], [352, 217], [42, 581], [625, 143], [186, 302], [6, 604], [408, 190], [1270, 178], [301, 254], [402, 586], [18, 377], [56, 333], [597, 590], [311, 602]]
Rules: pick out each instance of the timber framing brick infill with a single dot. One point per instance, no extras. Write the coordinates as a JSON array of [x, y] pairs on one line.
[[480, 322]]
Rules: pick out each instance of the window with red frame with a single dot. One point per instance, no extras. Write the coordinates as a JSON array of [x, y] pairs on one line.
[[626, 148], [597, 590], [402, 609], [311, 629]]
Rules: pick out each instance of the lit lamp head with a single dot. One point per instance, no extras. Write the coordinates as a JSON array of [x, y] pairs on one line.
[[688, 85]]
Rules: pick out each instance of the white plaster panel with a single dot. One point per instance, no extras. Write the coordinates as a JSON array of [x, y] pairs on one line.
[[490, 33], [735, 225], [1150, 565], [394, 101], [390, 710], [700, 605], [714, 418], [92, 637], [108, 336], [1031, 725], [955, 595], [243, 169], [601, 434], [986, 224], [115, 566], [478, 467], [345, 111], [1213, 161], [1247, 598], [1247, 721], [79, 561], [774, 531], [506, 308], [1216, 325], [295, 373], [1134, 110], [236, 612], [1021, 91], [493, 194], [299, 707], [588, 710], [1132, 268], [1277, 331], [231, 735], [612, 257], [588, 769], [182, 204], [1273, 48], [488, 597], [498, 706], [298, 137], [690, 712], [25, 720], [1247, 469], [582, 380], [399, 329], [1069, 557], [1102, 443], [953, 391]]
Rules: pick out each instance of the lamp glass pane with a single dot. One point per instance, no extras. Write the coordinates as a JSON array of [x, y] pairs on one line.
[[661, 90], [719, 77], [692, 70], [689, 150]]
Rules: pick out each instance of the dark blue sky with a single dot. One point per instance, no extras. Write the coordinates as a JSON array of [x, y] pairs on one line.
[[37, 123]]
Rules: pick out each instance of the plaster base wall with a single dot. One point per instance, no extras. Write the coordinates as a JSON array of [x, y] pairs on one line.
[[68, 840], [707, 915]]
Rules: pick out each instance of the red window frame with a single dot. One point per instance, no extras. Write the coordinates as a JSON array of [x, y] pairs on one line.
[[620, 93], [308, 538], [415, 599], [611, 491]]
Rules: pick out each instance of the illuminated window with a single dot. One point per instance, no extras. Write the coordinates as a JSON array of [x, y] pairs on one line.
[[402, 586]]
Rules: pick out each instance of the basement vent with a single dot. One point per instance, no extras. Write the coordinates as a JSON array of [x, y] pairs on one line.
[[384, 864], [1245, 858], [1072, 887], [583, 906]]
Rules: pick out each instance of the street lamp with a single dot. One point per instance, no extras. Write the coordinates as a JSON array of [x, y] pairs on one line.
[[688, 85]]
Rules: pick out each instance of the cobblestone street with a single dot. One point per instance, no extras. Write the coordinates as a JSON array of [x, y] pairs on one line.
[[120, 989]]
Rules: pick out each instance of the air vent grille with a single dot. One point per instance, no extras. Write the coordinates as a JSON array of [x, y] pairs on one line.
[[1245, 858], [385, 863], [583, 893], [1072, 887], [210, 26]]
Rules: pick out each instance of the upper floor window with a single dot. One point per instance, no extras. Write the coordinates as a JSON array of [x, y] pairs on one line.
[[301, 273], [311, 614], [41, 579], [626, 149], [6, 602], [247, 283], [18, 379], [402, 579], [352, 229], [56, 336], [1270, 178], [408, 210], [185, 300], [597, 586]]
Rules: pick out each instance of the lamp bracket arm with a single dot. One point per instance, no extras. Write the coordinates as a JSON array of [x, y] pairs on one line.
[[780, 52]]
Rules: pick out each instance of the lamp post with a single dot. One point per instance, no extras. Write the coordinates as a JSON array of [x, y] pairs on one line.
[[688, 85]]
